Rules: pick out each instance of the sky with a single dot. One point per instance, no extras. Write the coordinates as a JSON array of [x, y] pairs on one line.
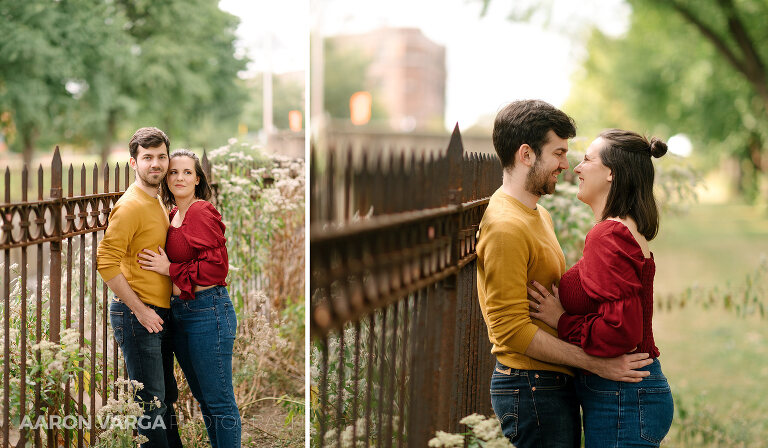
[[490, 60], [284, 22]]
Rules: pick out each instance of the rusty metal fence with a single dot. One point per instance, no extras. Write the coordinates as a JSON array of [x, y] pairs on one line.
[[400, 346], [50, 284], [63, 231]]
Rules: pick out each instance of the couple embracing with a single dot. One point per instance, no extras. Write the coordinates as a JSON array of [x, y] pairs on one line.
[[167, 272], [580, 338]]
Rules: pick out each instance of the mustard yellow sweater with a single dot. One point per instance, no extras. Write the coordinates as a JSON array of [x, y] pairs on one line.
[[136, 222], [516, 245]]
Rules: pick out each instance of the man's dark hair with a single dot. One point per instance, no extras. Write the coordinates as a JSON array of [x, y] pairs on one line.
[[148, 138], [528, 121], [203, 189], [628, 155]]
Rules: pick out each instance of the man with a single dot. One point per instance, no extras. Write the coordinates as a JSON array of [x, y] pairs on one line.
[[531, 388], [140, 312]]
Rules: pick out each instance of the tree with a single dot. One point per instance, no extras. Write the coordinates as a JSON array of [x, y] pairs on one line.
[[183, 75], [84, 70], [698, 70], [661, 77], [37, 62]]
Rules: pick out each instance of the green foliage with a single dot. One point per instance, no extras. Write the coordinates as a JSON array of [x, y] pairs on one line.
[[120, 416], [664, 77], [81, 71], [743, 299], [261, 199], [345, 72], [365, 391], [697, 423]]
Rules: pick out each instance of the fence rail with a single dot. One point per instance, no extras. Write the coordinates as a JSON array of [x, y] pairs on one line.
[[402, 346]]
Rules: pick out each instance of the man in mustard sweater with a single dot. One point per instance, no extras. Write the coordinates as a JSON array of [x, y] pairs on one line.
[[140, 313], [531, 387]]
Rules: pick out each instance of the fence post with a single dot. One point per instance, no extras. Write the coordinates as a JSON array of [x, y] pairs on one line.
[[449, 342], [55, 269]]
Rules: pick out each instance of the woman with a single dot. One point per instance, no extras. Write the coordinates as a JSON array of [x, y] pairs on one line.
[[203, 319], [605, 302]]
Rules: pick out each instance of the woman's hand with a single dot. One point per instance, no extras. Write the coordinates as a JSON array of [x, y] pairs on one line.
[[152, 261], [545, 306]]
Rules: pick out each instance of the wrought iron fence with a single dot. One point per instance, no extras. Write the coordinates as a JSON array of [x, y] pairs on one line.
[[63, 232], [401, 349], [65, 226]]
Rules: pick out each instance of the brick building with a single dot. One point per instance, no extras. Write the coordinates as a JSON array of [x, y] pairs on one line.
[[407, 72]]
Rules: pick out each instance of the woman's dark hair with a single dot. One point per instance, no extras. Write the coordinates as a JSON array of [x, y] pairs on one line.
[[202, 189], [528, 121], [628, 155]]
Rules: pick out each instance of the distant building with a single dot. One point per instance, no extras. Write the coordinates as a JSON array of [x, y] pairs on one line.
[[407, 71]]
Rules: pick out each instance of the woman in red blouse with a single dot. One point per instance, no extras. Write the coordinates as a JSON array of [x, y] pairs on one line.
[[605, 303], [203, 320]]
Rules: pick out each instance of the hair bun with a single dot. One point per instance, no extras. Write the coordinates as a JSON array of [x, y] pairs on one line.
[[658, 147]]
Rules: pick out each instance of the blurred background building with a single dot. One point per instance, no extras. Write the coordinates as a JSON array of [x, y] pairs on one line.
[[408, 70]]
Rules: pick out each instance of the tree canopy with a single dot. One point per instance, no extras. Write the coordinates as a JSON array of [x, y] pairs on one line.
[[86, 70], [684, 66]]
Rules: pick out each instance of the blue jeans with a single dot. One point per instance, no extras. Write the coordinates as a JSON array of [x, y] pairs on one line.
[[203, 337], [149, 360], [536, 408], [620, 414]]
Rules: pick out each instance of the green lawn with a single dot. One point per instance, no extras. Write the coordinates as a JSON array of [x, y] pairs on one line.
[[710, 245], [716, 362]]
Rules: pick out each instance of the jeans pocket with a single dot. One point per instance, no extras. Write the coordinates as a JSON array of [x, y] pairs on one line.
[[656, 412], [116, 320], [199, 305], [505, 403], [548, 381], [598, 385]]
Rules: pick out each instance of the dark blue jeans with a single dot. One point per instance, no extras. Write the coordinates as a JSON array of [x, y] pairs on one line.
[[203, 337], [620, 414], [149, 360], [536, 408]]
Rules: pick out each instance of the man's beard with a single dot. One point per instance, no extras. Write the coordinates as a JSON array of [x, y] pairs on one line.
[[538, 181], [148, 181]]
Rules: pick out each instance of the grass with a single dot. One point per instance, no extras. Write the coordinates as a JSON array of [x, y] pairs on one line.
[[711, 245], [716, 362]]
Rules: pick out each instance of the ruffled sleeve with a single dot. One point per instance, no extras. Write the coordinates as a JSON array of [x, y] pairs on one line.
[[203, 230], [610, 275]]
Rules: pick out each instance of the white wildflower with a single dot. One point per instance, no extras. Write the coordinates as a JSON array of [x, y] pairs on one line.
[[488, 429], [55, 367], [472, 420], [448, 440], [501, 442]]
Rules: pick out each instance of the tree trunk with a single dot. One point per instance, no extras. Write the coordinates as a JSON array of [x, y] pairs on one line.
[[109, 136], [28, 138]]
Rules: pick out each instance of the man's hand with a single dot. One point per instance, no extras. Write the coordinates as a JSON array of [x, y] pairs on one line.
[[622, 368], [149, 319]]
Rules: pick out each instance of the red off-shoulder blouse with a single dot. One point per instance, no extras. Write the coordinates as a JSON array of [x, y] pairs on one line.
[[608, 295], [197, 249]]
